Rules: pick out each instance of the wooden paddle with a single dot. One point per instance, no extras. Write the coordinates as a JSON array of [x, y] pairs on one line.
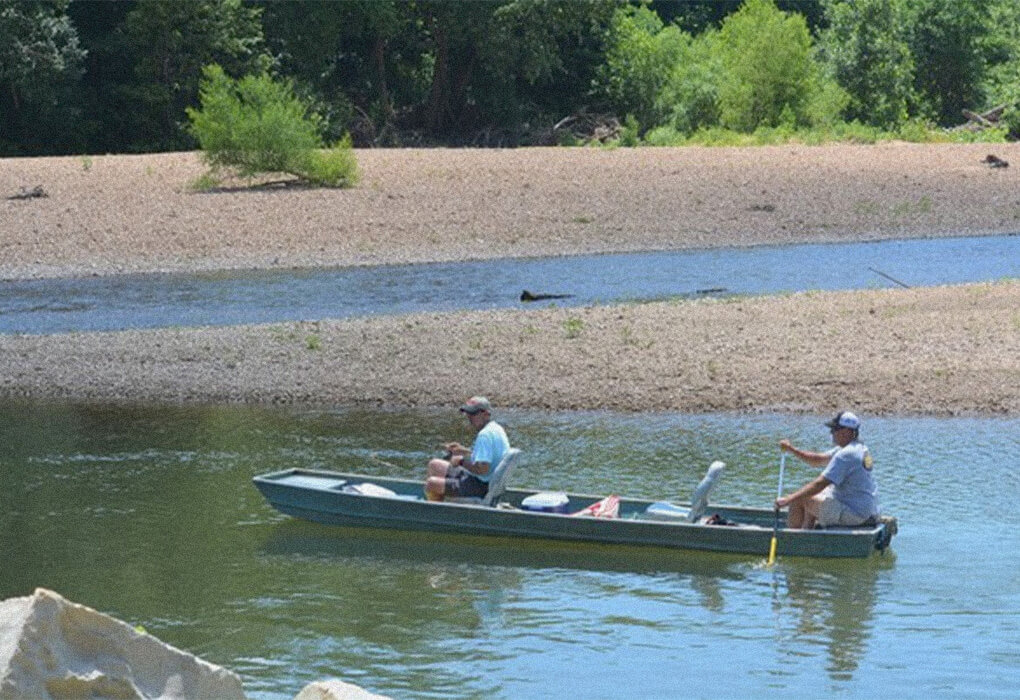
[[779, 494]]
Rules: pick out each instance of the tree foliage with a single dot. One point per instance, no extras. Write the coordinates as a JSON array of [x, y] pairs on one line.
[[640, 59], [769, 76], [357, 60], [100, 76], [690, 97], [40, 62], [1001, 82], [167, 43], [867, 48], [946, 43], [258, 125]]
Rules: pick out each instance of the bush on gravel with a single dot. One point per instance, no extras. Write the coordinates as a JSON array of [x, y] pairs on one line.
[[256, 125]]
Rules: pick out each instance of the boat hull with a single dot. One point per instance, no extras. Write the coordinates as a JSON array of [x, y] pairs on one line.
[[317, 496]]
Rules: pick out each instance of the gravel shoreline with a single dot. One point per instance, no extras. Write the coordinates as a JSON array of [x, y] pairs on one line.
[[937, 351], [113, 214]]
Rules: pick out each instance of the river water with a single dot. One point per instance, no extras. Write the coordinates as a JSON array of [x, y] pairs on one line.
[[149, 514], [226, 298]]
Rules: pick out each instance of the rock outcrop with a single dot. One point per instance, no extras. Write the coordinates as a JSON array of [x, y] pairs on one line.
[[53, 648]]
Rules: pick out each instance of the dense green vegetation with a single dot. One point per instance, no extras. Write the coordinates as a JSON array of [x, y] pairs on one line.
[[256, 125], [91, 76]]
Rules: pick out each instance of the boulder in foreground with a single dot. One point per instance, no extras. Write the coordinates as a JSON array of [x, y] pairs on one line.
[[51, 647], [335, 690]]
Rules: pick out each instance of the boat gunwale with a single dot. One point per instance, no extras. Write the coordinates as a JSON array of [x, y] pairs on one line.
[[277, 478]]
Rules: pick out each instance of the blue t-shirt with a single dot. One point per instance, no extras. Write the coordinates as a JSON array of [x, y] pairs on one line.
[[490, 446], [849, 470]]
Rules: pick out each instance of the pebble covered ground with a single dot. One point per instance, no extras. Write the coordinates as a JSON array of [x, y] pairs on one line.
[[939, 351]]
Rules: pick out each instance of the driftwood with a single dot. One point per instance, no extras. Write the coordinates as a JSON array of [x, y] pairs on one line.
[[979, 119], [528, 296], [995, 161], [983, 120], [33, 193], [590, 127], [890, 278]]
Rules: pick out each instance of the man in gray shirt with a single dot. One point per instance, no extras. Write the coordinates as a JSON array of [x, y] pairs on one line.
[[845, 493]]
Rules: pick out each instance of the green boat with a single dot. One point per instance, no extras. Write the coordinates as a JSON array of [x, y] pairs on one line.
[[335, 498]]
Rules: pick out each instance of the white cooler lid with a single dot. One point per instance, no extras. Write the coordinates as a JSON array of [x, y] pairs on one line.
[[546, 499]]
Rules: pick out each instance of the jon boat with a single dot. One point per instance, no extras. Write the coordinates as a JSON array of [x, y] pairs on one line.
[[335, 498]]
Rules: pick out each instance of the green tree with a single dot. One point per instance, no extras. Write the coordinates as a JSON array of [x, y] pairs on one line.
[[258, 125], [446, 69], [769, 74], [698, 16], [542, 58], [40, 64], [361, 61], [640, 60], [101, 127], [947, 43], [1001, 82], [168, 42], [690, 96], [867, 48]]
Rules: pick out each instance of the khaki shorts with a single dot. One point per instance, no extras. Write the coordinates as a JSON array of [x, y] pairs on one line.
[[832, 512]]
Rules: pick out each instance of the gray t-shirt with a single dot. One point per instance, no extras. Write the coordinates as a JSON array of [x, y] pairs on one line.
[[849, 470]]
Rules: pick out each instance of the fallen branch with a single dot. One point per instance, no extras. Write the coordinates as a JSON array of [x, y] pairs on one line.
[[33, 193], [879, 272]]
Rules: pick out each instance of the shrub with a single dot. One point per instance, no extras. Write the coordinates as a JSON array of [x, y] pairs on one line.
[[690, 95], [769, 75], [258, 125], [641, 54], [866, 47]]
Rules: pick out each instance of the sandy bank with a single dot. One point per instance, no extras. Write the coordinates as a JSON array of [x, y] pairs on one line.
[[108, 214], [941, 351]]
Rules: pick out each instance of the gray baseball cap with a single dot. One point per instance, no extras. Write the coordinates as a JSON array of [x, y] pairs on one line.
[[476, 404]]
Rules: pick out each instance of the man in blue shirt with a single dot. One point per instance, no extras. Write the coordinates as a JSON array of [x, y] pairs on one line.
[[845, 493], [466, 471]]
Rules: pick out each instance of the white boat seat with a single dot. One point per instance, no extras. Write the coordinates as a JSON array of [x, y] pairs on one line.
[[699, 499], [497, 482]]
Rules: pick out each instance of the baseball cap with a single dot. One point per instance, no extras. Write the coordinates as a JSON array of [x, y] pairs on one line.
[[476, 404], [845, 419]]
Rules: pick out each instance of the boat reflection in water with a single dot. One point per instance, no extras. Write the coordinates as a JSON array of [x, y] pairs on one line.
[[833, 604], [473, 582]]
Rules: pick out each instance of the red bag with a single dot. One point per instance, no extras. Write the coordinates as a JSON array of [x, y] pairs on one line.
[[608, 507]]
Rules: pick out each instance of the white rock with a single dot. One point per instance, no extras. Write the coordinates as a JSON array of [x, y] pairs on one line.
[[51, 647], [335, 690]]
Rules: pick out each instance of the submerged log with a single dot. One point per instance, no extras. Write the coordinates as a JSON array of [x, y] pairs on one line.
[[529, 296]]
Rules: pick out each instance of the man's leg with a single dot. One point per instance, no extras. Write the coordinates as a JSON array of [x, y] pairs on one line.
[[811, 511], [795, 517], [435, 483]]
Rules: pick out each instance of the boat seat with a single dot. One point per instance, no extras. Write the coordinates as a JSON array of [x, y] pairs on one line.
[[699, 499], [497, 482]]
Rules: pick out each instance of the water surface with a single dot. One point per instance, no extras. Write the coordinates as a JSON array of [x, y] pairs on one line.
[[224, 298], [148, 513]]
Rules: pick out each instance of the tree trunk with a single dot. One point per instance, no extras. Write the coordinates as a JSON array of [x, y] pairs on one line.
[[439, 93], [379, 58]]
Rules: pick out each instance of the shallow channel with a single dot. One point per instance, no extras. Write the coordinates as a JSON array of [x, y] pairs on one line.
[[236, 297]]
